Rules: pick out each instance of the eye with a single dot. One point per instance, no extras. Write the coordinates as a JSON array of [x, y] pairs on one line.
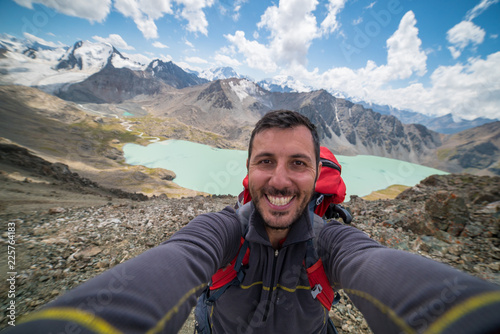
[[265, 161]]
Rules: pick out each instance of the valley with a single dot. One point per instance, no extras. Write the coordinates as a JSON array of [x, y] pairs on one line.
[[90, 100], [80, 209]]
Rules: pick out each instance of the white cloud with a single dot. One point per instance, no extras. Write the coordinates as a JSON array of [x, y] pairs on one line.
[[92, 10], [236, 8], [224, 60], [357, 21], [463, 34], [479, 9], [257, 55], [467, 91], [188, 43], [292, 27], [193, 13], [370, 6], [405, 56], [33, 38], [330, 24], [146, 12], [160, 45], [451, 87], [188, 67], [196, 60], [166, 58], [115, 40]]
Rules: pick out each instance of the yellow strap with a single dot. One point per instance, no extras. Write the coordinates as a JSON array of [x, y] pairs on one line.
[[83, 318], [384, 309], [161, 324], [460, 310]]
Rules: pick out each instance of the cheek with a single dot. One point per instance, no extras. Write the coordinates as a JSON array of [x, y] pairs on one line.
[[255, 182], [306, 182]]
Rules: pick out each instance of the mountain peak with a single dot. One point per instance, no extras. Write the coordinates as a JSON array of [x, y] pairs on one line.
[[172, 75], [219, 73], [92, 57], [284, 84]]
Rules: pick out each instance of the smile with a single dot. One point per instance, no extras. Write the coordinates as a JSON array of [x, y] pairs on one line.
[[279, 200]]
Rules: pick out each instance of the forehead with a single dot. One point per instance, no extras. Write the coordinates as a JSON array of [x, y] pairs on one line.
[[289, 141]]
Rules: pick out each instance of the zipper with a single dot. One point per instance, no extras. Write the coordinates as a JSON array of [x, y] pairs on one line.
[[330, 164], [271, 287]]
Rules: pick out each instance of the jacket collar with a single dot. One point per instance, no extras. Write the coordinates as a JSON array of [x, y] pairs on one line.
[[300, 231]]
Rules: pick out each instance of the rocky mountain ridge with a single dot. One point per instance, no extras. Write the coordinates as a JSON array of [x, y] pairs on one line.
[[173, 75], [443, 124], [230, 107], [113, 85], [88, 57]]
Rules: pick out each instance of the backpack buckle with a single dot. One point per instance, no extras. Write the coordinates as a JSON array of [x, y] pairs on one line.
[[316, 290], [320, 199]]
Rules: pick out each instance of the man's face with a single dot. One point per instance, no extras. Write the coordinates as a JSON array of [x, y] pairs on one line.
[[282, 174]]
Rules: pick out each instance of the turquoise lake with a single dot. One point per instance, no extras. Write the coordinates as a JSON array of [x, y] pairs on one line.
[[218, 171]]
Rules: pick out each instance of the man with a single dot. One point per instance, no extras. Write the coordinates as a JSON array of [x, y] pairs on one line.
[[397, 292]]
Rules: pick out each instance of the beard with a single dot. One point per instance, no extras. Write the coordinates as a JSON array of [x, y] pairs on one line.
[[276, 219]]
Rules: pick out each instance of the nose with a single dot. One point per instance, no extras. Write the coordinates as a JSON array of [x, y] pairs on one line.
[[280, 177]]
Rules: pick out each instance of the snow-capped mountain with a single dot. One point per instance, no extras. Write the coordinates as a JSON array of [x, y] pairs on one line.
[[53, 67], [32, 47], [220, 73], [92, 57], [50, 67], [442, 124], [172, 74], [284, 84]]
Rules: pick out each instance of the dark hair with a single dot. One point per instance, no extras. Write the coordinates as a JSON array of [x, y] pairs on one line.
[[285, 119]]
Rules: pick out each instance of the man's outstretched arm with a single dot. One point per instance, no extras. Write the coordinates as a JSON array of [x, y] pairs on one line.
[[400, 292], [151, 293]]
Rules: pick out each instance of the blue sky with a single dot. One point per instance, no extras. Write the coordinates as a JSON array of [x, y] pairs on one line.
[[434, 57]]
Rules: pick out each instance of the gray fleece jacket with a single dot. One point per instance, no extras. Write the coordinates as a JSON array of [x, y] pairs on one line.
[[396, 291]]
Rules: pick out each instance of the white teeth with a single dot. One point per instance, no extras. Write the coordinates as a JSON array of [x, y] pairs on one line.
[[279, 201]]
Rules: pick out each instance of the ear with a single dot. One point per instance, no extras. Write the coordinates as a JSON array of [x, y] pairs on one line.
[[247, 165], [318, 172]]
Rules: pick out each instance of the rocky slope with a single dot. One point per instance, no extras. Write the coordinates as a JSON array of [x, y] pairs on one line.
[[91, 145], [230, 107], [453, 219], [113, 85], [475, 150]]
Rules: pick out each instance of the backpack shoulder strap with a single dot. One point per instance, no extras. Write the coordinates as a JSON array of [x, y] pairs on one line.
[[320, 285], [233, 273]]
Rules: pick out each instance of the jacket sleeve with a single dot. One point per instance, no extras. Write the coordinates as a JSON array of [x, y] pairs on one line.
[[153, 292], [400, 292]]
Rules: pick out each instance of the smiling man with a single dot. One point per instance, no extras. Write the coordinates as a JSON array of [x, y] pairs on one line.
[[283, 166], [396, 291]]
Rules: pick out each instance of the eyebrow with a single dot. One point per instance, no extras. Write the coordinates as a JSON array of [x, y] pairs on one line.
[[293, 156]]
